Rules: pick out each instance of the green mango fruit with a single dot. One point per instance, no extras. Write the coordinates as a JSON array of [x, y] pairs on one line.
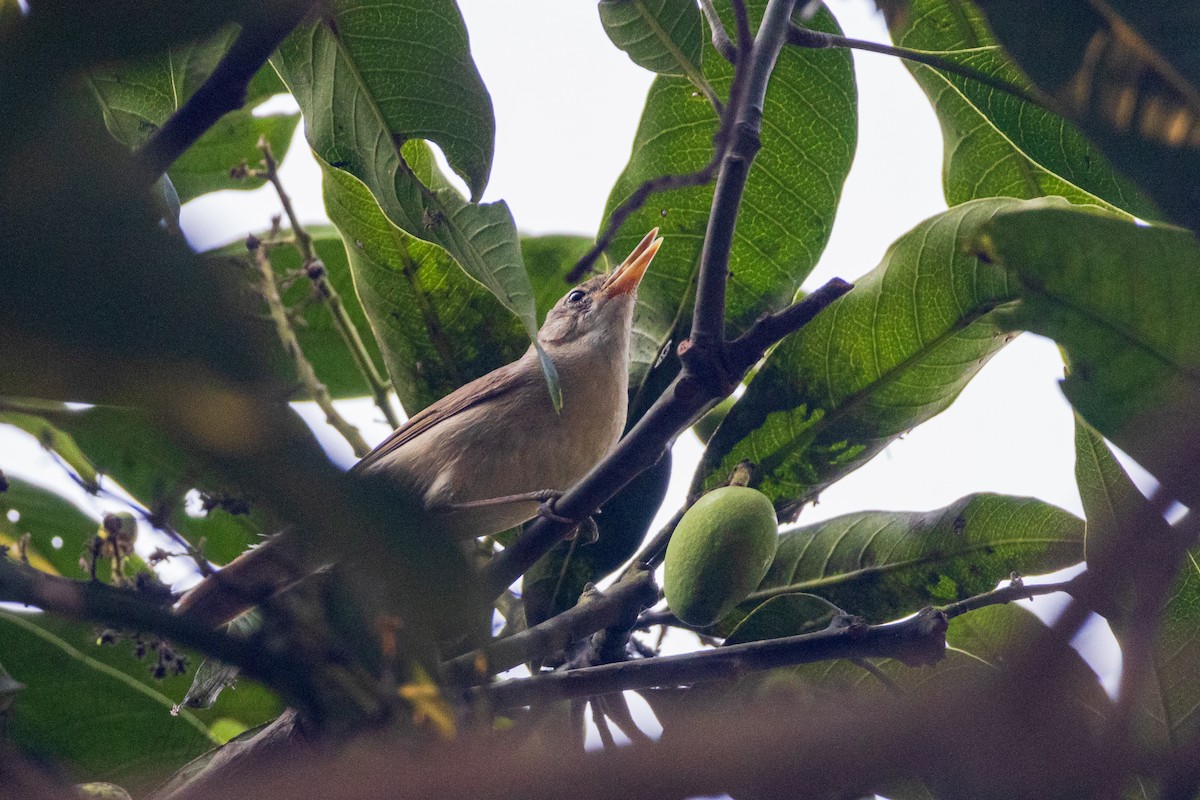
[[719, 553]]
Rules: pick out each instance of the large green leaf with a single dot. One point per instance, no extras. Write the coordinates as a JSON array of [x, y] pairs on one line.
[[1124, 302], [664, 36], [97, 721], [320, 340], [438, 328], [883, 564], [1126, 71], [882, 359], [58, 529], [808, 137], [371, 78], [138, 98], [997, 144]]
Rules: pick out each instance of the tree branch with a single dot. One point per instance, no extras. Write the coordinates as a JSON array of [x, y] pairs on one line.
[[918, 640], [223, 91], [314, 270], [557, 633], [291, 345], [92, 601]]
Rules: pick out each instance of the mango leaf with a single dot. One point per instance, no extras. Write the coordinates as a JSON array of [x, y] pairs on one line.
[[97, 721], [1127, 74], [663, 36], [881, 360], [137, 98], [1110, 499], [125, 446], [790, 199], [883, 564], [784, 615], [320, 340], [371, 78], [1123, 301], [438, 329], [58, 529], [997, 144]]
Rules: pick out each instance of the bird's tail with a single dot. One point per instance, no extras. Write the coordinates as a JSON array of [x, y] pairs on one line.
[[243, 583]]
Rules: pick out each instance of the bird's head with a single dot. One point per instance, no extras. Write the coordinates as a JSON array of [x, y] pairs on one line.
[[600, 309]]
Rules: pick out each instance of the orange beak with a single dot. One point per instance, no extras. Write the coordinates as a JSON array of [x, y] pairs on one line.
[[625, 278]]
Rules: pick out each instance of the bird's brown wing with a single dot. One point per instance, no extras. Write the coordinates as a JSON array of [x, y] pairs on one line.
[[495, 383]]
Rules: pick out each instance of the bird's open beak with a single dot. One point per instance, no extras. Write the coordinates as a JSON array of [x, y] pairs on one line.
[[625, 278]]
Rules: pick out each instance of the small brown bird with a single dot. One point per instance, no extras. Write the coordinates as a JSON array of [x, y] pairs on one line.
[[485, 457]]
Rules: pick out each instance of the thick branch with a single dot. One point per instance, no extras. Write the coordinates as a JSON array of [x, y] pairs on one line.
[[558, 632], [919, 640], [223, 91], [708, 316]]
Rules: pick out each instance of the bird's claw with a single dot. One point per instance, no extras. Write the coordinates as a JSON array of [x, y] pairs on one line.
[[584, 529]]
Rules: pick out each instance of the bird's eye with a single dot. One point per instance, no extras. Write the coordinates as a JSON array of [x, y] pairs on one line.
[[576, 295]]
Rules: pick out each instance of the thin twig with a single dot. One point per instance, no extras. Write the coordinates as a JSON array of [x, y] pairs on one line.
[[223, 91], [606, 737], [314, 270], [304, 368], [720, 38], [808, 38]]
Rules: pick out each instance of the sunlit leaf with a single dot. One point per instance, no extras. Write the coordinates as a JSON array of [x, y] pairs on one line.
[[879, 361], [883, 564], [997, 144], [664, 36]]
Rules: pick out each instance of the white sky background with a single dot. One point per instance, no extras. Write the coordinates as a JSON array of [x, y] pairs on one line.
[[567, 105]]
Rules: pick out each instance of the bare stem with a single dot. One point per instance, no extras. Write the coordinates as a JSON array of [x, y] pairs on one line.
[[304, 369], [314, 270]]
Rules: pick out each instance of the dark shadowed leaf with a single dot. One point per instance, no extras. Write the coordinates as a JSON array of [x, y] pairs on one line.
[[892, 353], [998, 144], [437, 327], [664, 36], [883, 564], [1124, 302], [97, 721], [137, 98], [1168, 700], [1127, 73], [808, 136]]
